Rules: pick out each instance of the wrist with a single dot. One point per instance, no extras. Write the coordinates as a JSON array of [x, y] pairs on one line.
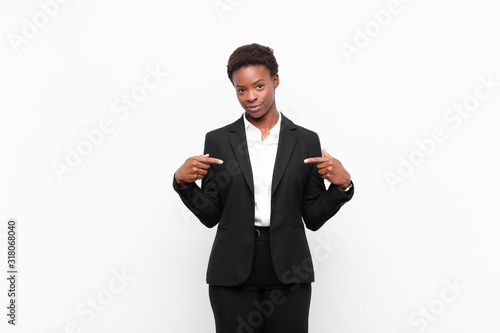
[[180, 183], [345, 186]]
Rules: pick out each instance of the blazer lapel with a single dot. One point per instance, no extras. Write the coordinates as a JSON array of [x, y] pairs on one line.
[[286, 144], [238, 140]]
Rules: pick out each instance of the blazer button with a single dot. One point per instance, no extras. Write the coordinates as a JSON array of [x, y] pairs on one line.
[[273, 207]]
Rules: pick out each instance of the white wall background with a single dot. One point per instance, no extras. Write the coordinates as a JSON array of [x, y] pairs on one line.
[[397, 246]]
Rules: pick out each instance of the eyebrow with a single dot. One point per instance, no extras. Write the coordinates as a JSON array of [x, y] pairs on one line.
[[239, 85]]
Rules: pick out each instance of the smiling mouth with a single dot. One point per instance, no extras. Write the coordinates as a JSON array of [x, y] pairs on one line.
[[254, 108]]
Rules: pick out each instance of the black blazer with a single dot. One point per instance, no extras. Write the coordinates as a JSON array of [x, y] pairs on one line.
[[226, 198]]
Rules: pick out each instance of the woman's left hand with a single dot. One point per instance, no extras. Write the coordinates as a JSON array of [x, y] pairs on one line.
[[331, 169]]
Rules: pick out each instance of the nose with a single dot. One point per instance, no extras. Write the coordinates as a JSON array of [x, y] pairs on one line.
[[251, 96]]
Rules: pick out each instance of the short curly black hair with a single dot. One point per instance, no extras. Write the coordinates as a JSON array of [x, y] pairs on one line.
[[251, 54]]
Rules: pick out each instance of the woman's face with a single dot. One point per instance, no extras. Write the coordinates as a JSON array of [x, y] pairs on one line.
[[255, 89]]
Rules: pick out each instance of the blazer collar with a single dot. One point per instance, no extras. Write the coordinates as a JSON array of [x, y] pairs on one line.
[[286, 144]]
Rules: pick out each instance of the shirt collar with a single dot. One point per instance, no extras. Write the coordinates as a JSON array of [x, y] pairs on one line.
[[274, 132]]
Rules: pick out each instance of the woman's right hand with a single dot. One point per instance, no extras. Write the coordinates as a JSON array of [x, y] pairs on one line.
[[193, 169]]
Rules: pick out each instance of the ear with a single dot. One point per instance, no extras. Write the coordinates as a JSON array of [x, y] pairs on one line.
[[276, 80]]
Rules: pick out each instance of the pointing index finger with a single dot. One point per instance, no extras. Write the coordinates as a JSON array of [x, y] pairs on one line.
[[206, 159], [315, 159]]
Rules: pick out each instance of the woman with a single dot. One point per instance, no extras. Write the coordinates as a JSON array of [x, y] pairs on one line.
[[262, 181]]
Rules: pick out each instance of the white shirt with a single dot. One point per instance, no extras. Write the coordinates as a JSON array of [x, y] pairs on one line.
[[262, 158]]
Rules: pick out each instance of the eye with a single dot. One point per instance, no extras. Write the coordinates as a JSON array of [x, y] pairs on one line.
[[260, 86], [240, 90]]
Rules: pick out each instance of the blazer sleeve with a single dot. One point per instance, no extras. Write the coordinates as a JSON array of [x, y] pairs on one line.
[[204, 202], [318, 203]]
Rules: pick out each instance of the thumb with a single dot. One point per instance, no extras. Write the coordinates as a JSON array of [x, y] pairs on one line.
[[325, 154]]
